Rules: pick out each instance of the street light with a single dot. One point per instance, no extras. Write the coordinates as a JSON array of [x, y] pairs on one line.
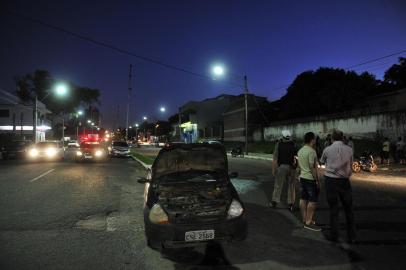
[[60, 90], [89, 121], [162, 109], [80, 112], [145, 118], [219, 71]]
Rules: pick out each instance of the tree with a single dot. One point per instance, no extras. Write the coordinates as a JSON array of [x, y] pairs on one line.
[[41, 82], [326, 90], [396, 74]]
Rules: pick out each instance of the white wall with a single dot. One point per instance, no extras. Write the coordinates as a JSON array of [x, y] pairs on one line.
[[391, 125]]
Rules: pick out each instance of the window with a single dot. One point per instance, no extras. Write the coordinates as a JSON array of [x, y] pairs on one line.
[[4, 113]]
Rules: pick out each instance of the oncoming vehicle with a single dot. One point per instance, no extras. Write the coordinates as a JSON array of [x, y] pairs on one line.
[[119, 149], [16, 149], [46, 150], [189, 198], [73, 144], [91, 151], [365, 162]]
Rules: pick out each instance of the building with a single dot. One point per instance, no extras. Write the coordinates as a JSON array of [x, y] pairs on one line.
[[220, 118], [204, 119], [234, 117], [16, 119]]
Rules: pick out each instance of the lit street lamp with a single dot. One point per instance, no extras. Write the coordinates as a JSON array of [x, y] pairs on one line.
[[219, 71], [145, 118], [89, 121], [59, 90], [162, 109]]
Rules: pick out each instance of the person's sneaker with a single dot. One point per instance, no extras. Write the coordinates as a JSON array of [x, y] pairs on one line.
[[312, 227], [273, 204]]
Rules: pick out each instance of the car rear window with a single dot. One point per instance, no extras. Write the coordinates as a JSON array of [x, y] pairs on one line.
[[122, 144]]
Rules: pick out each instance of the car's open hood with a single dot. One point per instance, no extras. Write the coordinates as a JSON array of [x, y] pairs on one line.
[[186, 157]]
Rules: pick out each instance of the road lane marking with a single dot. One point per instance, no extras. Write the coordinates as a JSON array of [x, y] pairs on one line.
[[42, 175]]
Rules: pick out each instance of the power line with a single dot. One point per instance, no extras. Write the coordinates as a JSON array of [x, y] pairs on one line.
[[157, 62], [376, 59], [106, 45]]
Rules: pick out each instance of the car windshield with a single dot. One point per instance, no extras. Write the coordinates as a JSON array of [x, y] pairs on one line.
[[18, 144], [192, 160], [46, 144], [121, 144], [90, 145]]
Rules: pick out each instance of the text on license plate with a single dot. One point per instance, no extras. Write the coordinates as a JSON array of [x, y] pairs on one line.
[[199, 235]]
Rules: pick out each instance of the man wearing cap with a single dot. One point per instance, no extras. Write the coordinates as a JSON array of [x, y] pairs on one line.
[[283, 169]]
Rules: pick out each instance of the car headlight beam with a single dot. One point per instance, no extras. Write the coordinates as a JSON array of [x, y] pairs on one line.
[[98, 153], [79, 153], [33, 152], [235, 209], [157, 215], [50, 152]]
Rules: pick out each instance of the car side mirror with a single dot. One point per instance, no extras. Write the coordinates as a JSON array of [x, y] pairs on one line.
[[233, 175], [142, 180]]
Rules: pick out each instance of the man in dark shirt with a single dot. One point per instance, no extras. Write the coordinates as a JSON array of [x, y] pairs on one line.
[[283, 169]]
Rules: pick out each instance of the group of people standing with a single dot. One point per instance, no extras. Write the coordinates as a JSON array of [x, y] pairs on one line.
[[288, 163], [396, 149]]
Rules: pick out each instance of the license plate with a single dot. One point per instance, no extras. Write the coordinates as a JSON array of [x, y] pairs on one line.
[[88, 157], [199, 235]]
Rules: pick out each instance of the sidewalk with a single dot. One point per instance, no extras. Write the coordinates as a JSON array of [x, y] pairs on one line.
[[260, 156]]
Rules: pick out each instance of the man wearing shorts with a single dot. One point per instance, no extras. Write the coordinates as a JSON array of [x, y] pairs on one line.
[[309, 181]]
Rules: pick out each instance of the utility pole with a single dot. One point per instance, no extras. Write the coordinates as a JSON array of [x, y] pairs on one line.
[[246, 112], [35, 119], [180, 123], [128, 102]]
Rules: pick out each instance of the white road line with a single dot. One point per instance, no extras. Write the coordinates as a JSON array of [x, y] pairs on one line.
[[42, 175]]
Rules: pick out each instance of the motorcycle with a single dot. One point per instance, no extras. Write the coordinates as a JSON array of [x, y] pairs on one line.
[[237, 152], [365, 163]]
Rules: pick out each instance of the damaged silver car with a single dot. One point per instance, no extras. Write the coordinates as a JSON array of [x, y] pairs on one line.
[[189, 198]]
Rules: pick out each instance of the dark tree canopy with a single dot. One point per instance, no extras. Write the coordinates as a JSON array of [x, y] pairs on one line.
[[396, 74], [41, 83]]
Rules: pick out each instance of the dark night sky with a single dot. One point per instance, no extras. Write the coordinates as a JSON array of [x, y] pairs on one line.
[[270, 41]]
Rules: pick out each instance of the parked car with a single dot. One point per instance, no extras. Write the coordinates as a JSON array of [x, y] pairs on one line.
[[119, 149], [73, 144], [46, 150], [91, 151], [16, 149], [189, 198]]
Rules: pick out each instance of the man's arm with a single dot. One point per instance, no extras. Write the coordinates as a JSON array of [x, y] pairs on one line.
[[313, 167]]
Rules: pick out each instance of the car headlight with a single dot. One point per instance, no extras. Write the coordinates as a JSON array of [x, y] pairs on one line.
[[235, 209], [33, 152], [109, 148], [50, 152], [157, 215], [98, 153], [79, 153]]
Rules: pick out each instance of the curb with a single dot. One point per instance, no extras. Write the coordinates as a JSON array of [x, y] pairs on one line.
[[254, 157], [146, 166]]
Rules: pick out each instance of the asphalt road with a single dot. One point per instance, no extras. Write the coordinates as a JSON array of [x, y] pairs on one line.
[[68, 215]]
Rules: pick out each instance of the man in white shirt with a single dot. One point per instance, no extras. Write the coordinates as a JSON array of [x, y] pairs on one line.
[[338, 160]]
